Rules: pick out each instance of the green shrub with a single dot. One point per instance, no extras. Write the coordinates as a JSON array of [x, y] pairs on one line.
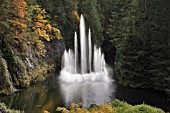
[[143, 109], [5, 83], [4, 109], [116, 106], [16, 66], [123, 107]]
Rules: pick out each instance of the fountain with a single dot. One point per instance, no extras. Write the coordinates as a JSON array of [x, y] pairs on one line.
[[92, 66]]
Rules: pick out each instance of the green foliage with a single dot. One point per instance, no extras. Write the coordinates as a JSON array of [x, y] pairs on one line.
[[4, 25], [140, 31], [40, 29], [123, 107], [26, 28], [40, 72], [13, 23], [92, 18], [105, 8], [160, 43], [124, 22], [65, 15], [133, 66], [5, 82], [114, 107], [16, 66], [41, 24], [6, 109], [144, 109]]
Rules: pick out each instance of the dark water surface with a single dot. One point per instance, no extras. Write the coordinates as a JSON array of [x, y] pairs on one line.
[[51, 94]]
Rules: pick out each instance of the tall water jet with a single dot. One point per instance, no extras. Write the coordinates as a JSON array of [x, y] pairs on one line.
[[83, 46], [90, 51], [68, 61], [92, 65], [76, 52]]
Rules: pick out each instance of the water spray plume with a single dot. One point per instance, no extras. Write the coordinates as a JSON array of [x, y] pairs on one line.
[[92, 65]]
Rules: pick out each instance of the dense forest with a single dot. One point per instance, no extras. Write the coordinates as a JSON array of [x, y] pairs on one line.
[[34, 34]]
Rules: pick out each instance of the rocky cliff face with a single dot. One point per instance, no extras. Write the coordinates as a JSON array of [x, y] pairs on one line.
[[20, 69], [15, 65]]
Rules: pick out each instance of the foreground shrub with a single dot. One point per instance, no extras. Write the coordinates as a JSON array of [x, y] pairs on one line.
[[123, 107], [114, 107], [4, 109]]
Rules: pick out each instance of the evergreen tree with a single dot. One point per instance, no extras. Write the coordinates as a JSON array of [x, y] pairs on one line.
[[17, 20], [92, 18], [132, 62], [125, 21], [65, 14], [159, 30], [40, 29], [105, 8], [13, 23], [4, 25], [143, 48]]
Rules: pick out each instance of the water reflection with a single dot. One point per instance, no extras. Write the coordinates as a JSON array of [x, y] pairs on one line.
[[36, 99], [88, 93], [51, 94], [139, 96]]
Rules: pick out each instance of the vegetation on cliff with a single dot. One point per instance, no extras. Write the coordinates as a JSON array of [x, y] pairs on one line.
[[25, 31], [5, 81]]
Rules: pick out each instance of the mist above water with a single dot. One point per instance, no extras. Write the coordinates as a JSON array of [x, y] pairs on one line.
[[88, 93]]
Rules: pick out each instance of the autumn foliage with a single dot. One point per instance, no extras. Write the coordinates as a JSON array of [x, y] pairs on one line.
[[114, 107], [42, 26], [17, 20]]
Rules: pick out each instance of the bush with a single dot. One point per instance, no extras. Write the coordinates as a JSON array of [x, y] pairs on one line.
[[114, 107], [5, 83], [123, 107], [4, 109]]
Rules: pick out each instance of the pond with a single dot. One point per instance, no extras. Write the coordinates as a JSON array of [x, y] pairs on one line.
[[50, 94]]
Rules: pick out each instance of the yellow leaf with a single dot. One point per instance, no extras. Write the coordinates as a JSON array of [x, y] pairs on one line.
[[38, 24], [43, 21], [75, 13], [46, 111], [48, 27]]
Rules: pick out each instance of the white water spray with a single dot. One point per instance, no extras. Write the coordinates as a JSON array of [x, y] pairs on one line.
[[93, 65], [76, 52], [90, 51], [83, 46]]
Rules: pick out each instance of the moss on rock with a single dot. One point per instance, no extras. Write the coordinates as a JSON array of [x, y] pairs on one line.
[[16, 66], [5, 82]]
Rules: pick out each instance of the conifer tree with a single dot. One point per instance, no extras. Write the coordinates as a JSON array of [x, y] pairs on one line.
[[17, 19], [159, 30], [4, 25], [65, 15], [105, 8], [142, 50], [92, 18]]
